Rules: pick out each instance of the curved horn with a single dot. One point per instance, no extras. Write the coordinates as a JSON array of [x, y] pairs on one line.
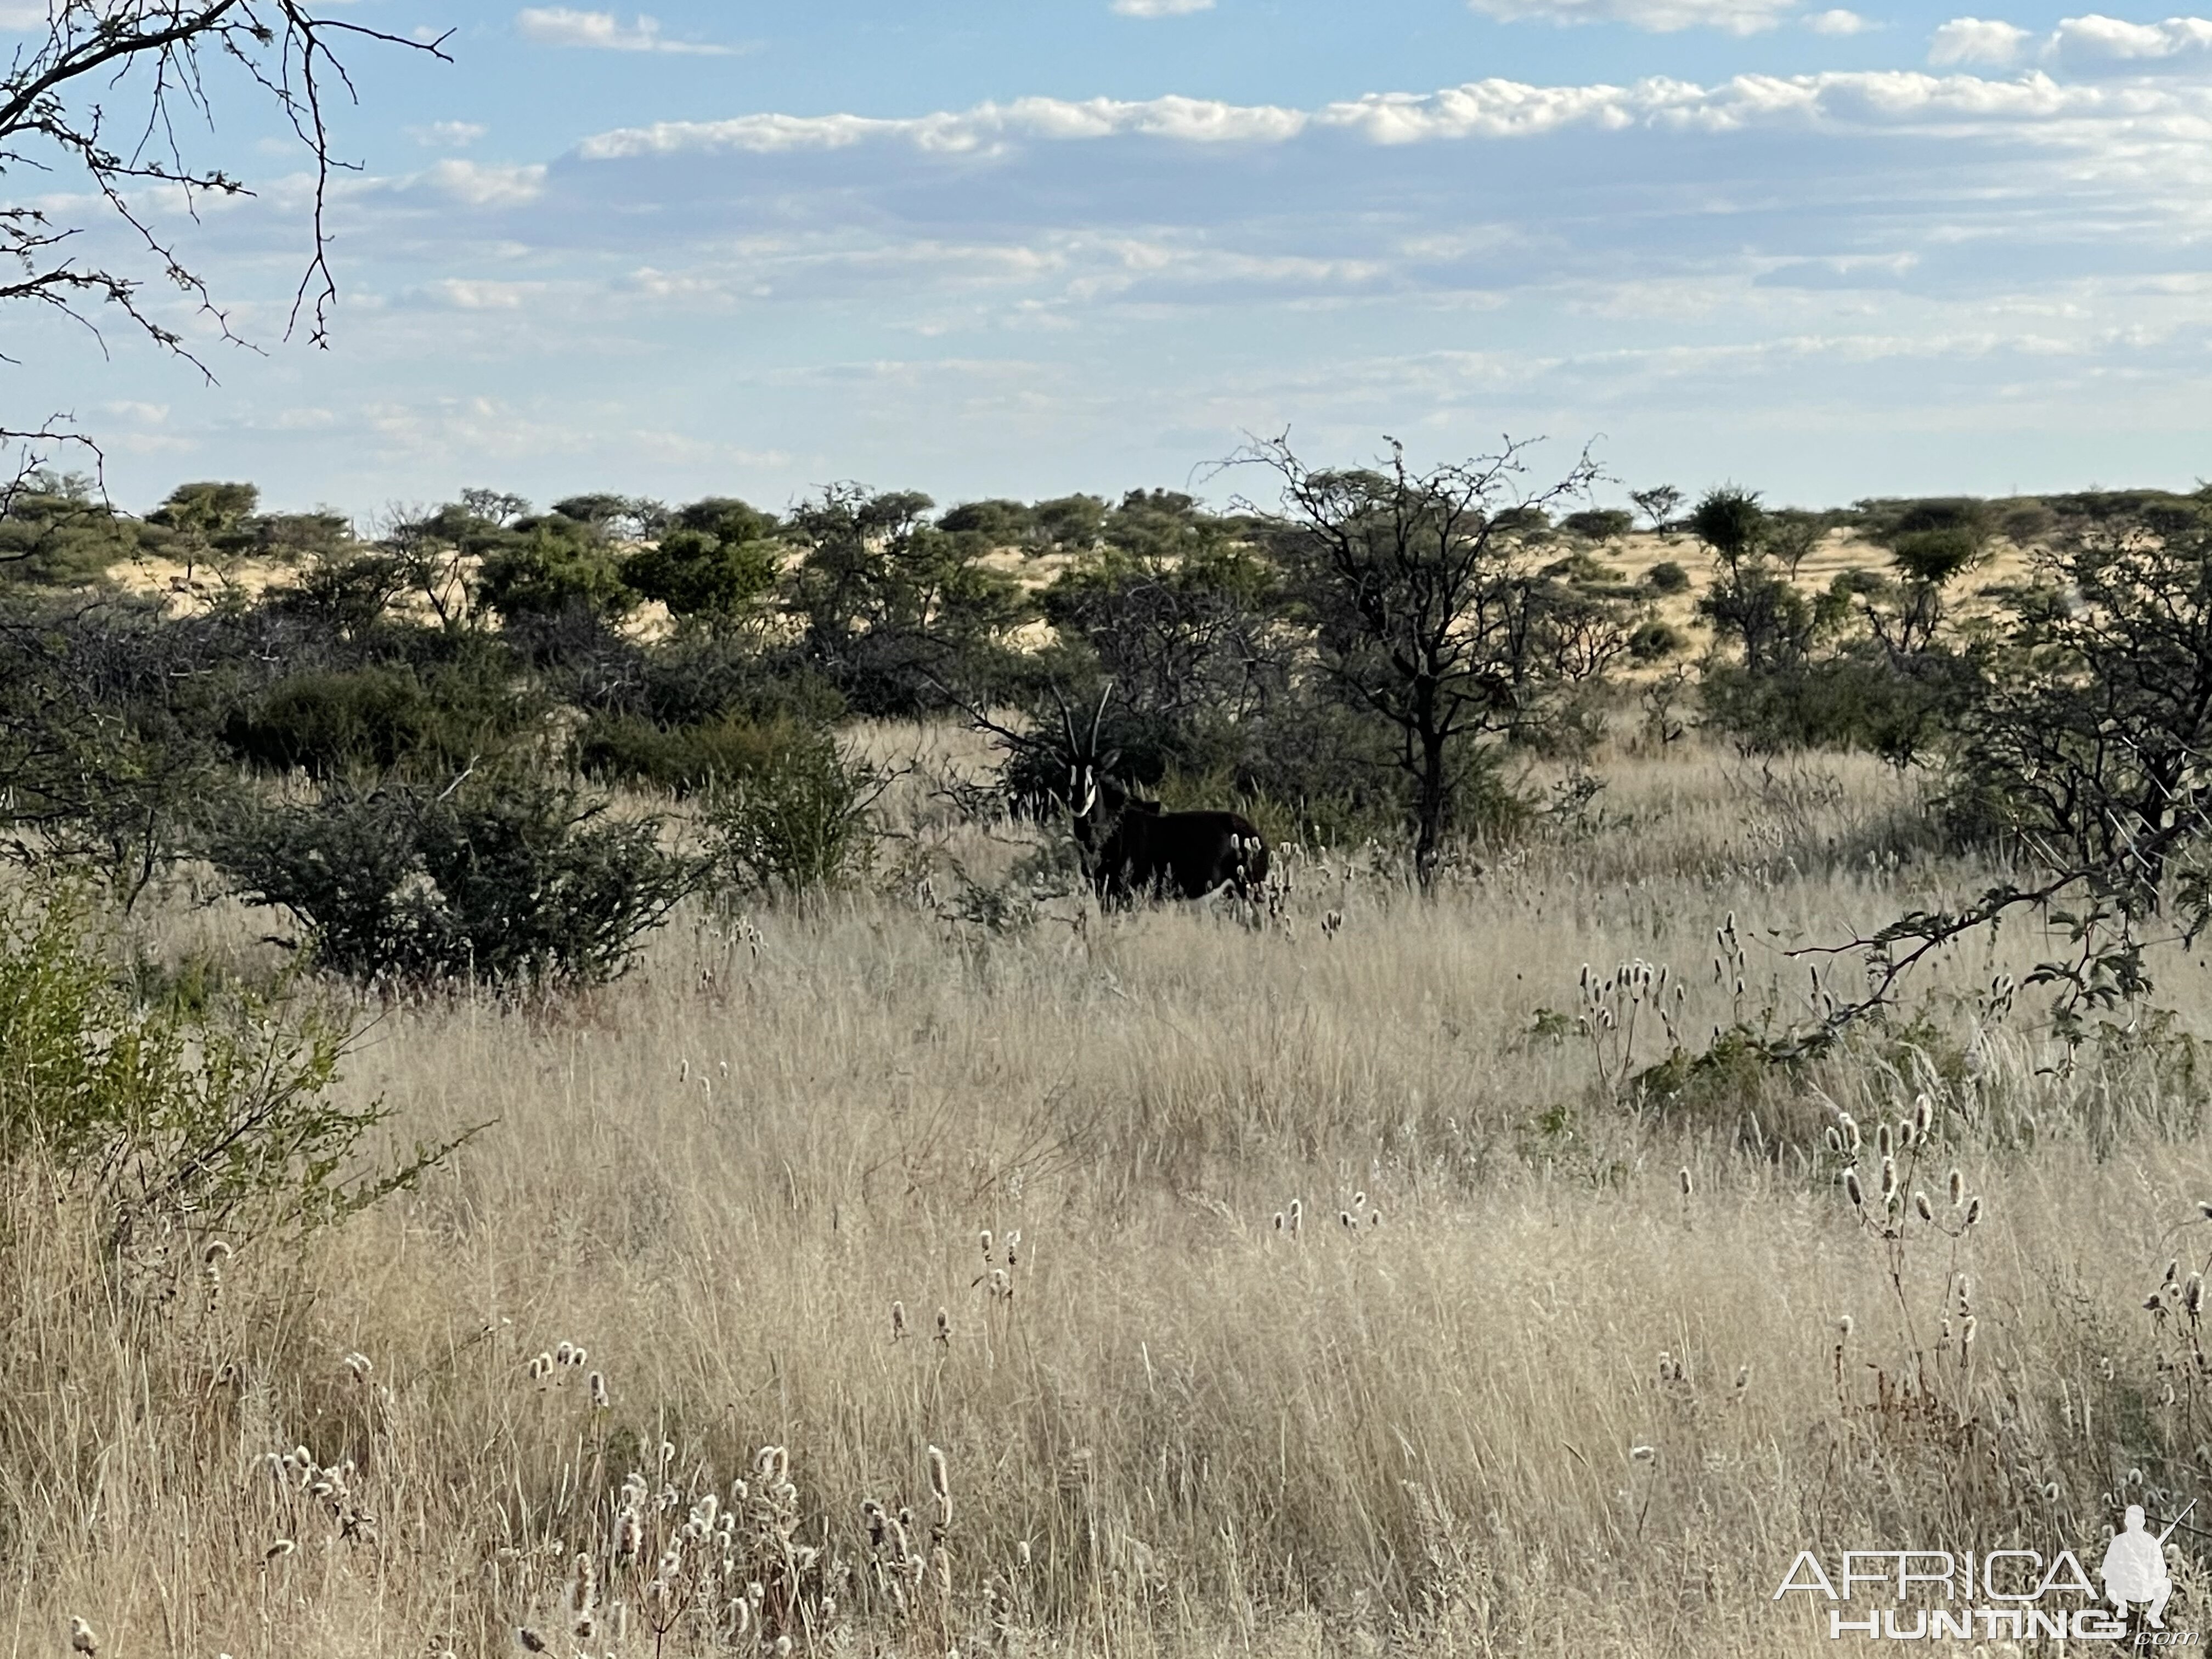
[[1100, 715], [1066, 723]]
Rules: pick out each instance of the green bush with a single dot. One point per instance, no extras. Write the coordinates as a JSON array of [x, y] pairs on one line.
[[1666, 577], [1601, 523], [500, 881], [220, 1112], [334, 722], [1857, 701], [683, 759], [799, 821], [1654, 641]]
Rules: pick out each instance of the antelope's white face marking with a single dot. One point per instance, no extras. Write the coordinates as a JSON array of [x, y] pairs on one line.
[[1082, 790]]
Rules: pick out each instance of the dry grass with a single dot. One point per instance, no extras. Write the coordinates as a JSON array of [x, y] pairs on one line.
[[1187, 1431]]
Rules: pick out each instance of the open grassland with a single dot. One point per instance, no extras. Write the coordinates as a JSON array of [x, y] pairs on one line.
[[1505, 1387]]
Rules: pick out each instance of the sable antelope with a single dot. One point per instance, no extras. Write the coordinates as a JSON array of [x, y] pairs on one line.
[[1132, 849]]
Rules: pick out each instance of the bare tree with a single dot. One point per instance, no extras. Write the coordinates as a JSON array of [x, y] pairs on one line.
[[1429, 608], [106, 93]]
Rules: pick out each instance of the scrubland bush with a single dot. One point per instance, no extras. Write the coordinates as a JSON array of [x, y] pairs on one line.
[[685, 759], [332, 723], [495, 880], [795, 820], [220, 1117]]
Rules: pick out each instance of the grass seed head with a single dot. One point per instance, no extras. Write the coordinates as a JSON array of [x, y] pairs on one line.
[[940, 1482], [82, 1639]]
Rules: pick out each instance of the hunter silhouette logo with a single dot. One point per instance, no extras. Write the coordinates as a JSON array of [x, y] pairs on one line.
[[2135, 1566], [2014, 1595]]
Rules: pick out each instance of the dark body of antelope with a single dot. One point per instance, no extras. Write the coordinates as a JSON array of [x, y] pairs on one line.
[[1140, 852], [1133, 850]]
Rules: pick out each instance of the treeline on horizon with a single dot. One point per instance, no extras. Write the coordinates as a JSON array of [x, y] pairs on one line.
[[464, 683]]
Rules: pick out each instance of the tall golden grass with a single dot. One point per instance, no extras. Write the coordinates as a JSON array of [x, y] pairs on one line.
[[1354, 1308]]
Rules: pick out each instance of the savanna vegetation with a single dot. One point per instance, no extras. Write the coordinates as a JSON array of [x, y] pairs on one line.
[[563, 1090], [561, 1082]]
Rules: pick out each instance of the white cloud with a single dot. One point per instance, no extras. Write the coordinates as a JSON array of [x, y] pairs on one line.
[[467, 294], [447, 135], [481, 184], [1161, 7], [987, 128], [1976, 40], [1659, 16], [1836, 100], [2109, 40], [602, 31], [1838, 22], [1645, 259]]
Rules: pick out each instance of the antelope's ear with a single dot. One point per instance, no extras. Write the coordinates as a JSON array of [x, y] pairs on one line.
[[1106, 761]]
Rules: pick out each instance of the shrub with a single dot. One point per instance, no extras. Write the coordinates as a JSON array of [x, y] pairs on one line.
[[219, 1110], [333, 722], [799, 820], [683, 759], [697, 679], [695, 573], [551, 565], [1603, 524], [1654, 641], [1858, 701], [1666, 577], [500, 881]]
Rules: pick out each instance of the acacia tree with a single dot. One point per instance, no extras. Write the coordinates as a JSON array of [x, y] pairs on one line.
[[1429, 609], [103, 94], [2087, 749]]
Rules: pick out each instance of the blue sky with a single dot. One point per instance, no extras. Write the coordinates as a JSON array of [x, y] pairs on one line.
[[994, 247]]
